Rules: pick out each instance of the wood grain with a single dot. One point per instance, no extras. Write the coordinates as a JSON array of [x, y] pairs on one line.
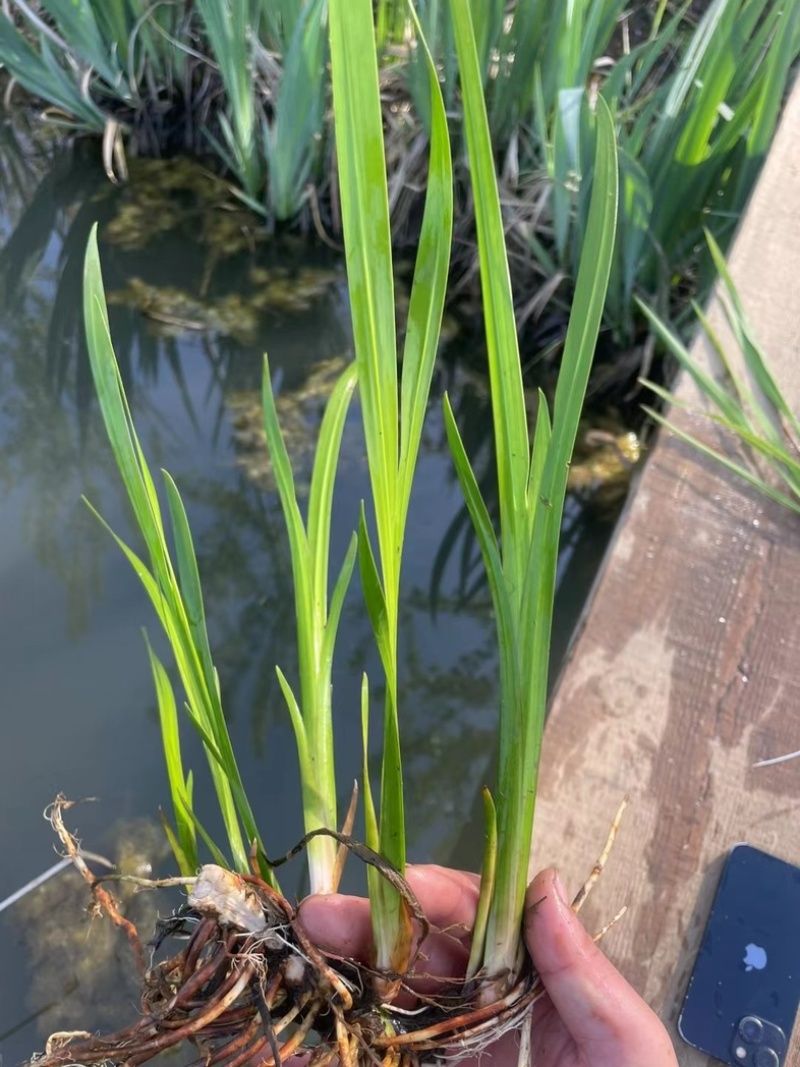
[[686, 670]]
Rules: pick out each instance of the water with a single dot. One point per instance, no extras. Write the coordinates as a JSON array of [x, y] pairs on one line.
[[78, 712]]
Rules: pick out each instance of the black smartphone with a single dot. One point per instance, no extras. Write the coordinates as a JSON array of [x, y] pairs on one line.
[[744, 991]]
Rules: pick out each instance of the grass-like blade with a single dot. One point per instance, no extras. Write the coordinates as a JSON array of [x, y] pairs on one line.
[[392, 424], [755, 410], [735, 468], [186, 842], [488, 872], [508, 404], [429, 285], [174, 591], [309, 545], [532, 488]]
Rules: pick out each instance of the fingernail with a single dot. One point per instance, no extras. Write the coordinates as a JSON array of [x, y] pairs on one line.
[[560, 888]]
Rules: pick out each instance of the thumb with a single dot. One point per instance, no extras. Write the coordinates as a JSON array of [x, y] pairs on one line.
[[599, 1009]]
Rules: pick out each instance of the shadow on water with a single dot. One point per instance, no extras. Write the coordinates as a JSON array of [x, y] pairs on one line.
[[196, 295]]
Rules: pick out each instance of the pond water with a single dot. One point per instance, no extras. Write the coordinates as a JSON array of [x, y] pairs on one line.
[[196, 296]]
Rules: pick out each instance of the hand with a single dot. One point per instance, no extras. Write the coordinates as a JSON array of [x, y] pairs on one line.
[[590, 1017]]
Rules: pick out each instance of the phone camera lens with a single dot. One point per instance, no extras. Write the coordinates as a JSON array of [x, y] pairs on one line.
[[752, 1030], [766, 1057]]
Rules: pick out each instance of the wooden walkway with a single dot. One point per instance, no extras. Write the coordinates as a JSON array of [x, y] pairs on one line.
[[686, 669]]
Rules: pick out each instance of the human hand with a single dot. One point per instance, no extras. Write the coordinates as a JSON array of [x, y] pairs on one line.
[[590, 1017]]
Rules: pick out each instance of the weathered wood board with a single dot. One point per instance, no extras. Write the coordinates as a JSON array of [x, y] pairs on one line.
[[686, 670]]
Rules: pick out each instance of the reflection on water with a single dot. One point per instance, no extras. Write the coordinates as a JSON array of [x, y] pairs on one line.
[[193, 308]]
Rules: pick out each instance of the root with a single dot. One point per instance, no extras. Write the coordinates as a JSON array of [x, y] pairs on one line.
[[54, 814], [597, 870], [249, 989]]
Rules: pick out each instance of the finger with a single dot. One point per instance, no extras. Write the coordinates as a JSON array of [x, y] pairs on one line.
[[597, 1006], [448, 898], [338, 924]]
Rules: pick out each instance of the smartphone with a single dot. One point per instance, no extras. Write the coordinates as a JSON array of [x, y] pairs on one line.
[[744, 991]]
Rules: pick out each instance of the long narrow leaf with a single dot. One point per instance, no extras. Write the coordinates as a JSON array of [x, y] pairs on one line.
[[429, 285], [170, 735], [508, 405]]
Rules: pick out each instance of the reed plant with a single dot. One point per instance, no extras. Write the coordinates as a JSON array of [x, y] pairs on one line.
[[392, 434], [692, 141], [392, 416], [245, 81], [248, 930], [748, 403], [696, 104], [521, 557]]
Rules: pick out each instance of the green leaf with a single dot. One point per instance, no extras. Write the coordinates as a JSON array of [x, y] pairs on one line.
[[541, 446], [482, 523], [186, 853], [293, 140], [320, 501], [508, 404], [189, 578], [184, 864], [373, 593], [295, 715], [428, 290], [760, 417], [231, 39], [370, 819], [735, 468], [367, 235], [722, 398], [391, 454], [337, 599], [181, 616], [217, 855], [41, 75], [316, 631], [284, 479], [529, 527], [488, 872]]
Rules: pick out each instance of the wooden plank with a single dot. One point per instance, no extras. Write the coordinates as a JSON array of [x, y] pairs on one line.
[[687, 667]]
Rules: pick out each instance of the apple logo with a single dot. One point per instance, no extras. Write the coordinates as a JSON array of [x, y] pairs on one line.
[[755, 958]]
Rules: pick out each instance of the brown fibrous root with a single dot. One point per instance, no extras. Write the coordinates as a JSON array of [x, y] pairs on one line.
[[249, 989]]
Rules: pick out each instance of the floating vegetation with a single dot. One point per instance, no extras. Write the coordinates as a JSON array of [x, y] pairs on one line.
[[282, 289], [183, 199], [164, 196], [300, 413], [174, 311], [605, 458]]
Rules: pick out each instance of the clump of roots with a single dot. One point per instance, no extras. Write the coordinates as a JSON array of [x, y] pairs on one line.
[[248, 987]]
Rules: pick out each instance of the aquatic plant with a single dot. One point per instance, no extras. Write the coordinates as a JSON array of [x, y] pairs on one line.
[[250, 983], [224, 77], [691, 141], [750, 406], [532, 482], [696, 103], [694, 118]]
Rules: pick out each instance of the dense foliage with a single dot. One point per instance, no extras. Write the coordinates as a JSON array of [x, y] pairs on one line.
[[695, 101]]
